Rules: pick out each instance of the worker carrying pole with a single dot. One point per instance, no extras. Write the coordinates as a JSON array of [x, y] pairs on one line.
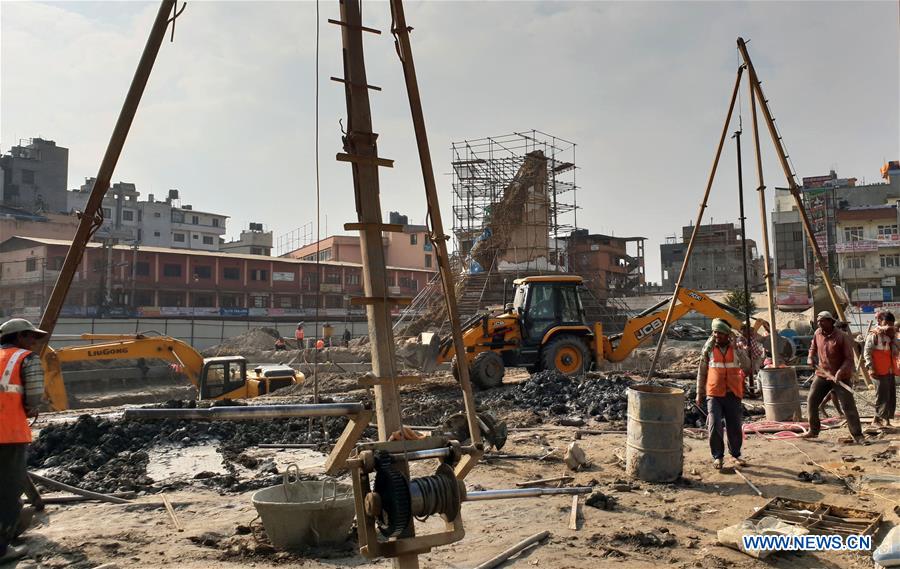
[[720, 389], [21, 389]]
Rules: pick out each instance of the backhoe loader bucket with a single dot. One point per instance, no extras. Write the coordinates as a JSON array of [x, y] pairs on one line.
[[423, 353]]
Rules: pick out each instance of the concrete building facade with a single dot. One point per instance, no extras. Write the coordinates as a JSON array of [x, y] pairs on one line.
[[868, 252], [156, 281], [611, 266], [253, 241], [411, 248], [34, 177], [716, 261]]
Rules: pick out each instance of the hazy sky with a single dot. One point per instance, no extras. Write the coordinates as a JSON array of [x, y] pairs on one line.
[[228, 116]]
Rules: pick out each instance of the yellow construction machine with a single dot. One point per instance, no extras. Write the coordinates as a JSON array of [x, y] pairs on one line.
[[222, 377], [545, 328]]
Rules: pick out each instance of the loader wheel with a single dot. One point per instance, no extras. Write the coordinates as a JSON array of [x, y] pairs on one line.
[[567, 354], [487, 370]]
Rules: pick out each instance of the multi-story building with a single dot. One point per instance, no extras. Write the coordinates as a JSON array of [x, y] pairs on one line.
[[411, 248], [34, 177], [253, 241], [825, 198], [157, 281], [611, 266], [716, 261], [164, 223], [868, 252]]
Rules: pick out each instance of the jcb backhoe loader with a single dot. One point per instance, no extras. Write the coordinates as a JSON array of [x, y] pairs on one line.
[[545, 328], [222, 377]]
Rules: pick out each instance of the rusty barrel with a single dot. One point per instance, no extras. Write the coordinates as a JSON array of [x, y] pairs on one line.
[[781, 393], [653, 450]]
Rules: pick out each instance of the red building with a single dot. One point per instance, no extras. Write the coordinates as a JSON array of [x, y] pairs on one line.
[[155, 281]]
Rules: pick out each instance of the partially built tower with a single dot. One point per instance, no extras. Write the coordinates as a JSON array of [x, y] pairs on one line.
[[514, 200]]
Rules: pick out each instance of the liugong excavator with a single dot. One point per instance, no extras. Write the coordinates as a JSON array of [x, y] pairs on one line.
[[545, 328], [223, 377]]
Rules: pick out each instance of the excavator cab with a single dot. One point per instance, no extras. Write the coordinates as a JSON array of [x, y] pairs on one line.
[[543, 305], [223, 375]]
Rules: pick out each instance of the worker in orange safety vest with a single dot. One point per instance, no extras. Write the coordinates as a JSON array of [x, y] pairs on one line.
[[880, 354], [720, 389], [21, 389]]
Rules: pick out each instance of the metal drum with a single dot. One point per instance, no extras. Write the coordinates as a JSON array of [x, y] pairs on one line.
[[781, 393], [653, 451]]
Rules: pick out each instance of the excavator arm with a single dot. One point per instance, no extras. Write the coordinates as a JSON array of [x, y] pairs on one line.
[[116, 347], [650, 322]]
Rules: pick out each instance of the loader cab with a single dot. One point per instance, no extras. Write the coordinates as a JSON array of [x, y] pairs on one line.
[[222, 375], [545, 302]]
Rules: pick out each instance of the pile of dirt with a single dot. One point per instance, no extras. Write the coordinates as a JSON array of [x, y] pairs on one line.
[[109, 456], [252, 339]]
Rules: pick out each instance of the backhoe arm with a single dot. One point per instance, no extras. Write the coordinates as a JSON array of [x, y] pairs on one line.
[[122, 347], [650, 322]]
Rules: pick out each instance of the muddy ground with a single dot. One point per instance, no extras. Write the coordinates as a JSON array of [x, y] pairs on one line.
[[650, 524]]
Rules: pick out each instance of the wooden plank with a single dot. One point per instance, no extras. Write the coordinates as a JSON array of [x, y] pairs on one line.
[[171, 512], [345, 443], [366, 160], [344, 81], [575, 513], [354, 27]]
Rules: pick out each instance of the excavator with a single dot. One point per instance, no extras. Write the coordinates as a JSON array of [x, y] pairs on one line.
[[545, 328], [223, 377]]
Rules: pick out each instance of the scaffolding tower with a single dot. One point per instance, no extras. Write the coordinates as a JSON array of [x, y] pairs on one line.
[[483, 168]]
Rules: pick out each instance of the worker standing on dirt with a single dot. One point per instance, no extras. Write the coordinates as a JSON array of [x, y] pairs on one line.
[[21, 389], [834, 373], [880, 353], [721, 386], [298, 335], [347, 337]]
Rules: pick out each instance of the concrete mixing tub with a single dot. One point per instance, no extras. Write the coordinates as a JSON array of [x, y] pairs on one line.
[[306, 513]]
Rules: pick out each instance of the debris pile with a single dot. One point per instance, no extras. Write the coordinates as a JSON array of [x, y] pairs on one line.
[[112, 456], [252, 339]]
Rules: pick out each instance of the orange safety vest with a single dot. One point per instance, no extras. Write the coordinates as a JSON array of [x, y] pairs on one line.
[[724, 374], [14, 428], [882, 356]]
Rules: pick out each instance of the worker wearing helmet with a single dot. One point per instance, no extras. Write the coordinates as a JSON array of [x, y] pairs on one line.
[[21, 389], [720, 388], [831, 353]]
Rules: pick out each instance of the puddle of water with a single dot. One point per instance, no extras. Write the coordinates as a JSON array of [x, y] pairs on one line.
[[172, 462]]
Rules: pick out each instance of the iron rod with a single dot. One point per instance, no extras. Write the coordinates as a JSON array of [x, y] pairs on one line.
[[249, 413], [504, 494], [696, 230], [748, 332]]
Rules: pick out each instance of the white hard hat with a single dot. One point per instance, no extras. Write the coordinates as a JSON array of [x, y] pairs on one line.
[[825, 315], [19, 325]]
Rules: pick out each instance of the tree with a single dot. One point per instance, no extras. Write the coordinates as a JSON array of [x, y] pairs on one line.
[[740, 302]]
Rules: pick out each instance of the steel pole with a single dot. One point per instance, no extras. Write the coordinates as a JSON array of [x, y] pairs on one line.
[[737, 139], [249, 412], [504, 494], [690, 247], [438, 238], [92, 217]]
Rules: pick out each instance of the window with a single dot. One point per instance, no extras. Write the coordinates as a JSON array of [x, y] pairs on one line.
[[309, 301], [408, 283], [334, 301], [230, 300], [427, 246], [885, 231], [353, 279], [171, 270], [142, 269], [853, 234], [127, 215], [57, 263], [413, 238], [157, 214], [31, 264], [201, 272], [143, 298], [107, 213], [202, 300], [332, 277], [171, 298], [259, 301], [207, 240], [231, 274], [177, 216], [427, 261], [28, 176], [194, 236], [854, 262], [215, 222], [286, 302], [195, 220], [259, 275], [178, 237], [569, 305], [890, 261], [156, 233], [257, 250], [140, 215]]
